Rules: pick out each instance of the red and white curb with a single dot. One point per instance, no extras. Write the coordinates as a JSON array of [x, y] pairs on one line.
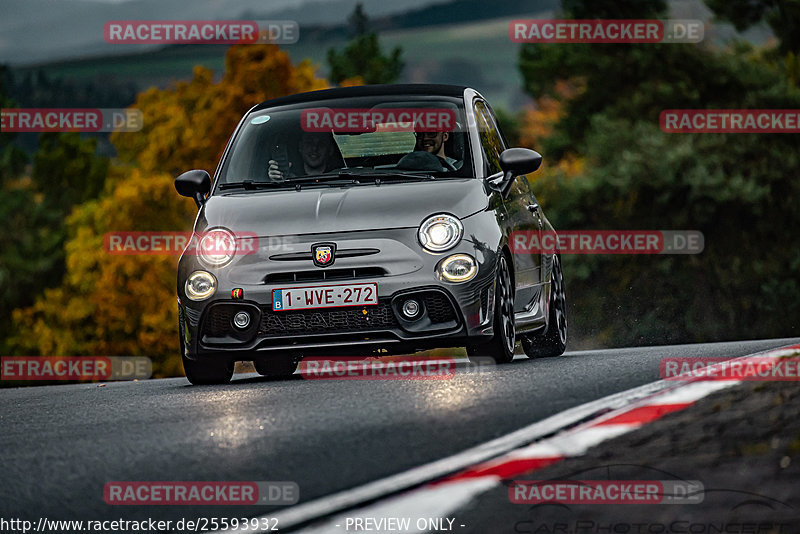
[[468, 474]]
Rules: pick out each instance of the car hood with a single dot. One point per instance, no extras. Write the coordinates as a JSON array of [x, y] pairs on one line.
[[341, 209]]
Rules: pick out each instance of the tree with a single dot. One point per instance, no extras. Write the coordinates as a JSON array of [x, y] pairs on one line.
[[31, 252], [359, 22], [125, 305], [12, 159], [783, 16], [66, 171], [631, 175], [637, 177], [107, 304], [33, 206], [363, 58]]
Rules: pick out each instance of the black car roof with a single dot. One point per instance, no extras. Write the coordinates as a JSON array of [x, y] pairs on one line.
[[366, 90]]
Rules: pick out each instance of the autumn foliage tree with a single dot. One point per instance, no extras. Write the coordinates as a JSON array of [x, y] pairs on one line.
[[33, 205], [609, 166], [125, 304]]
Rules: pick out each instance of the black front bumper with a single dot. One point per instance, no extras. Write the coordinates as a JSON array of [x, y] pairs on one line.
[[370, 328], [453, 314]]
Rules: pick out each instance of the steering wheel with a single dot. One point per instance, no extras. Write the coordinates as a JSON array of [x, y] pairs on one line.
[[446, 164], [420, 160]]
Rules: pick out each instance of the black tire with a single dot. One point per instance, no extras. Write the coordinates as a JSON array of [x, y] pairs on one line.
[[279, 365], [207, 371], [554, 340], [501, 347], [201, 372]]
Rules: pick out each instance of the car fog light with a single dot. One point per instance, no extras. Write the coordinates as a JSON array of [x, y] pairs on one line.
[[200, 285], [241, 320], [458, 268], [411, 308]]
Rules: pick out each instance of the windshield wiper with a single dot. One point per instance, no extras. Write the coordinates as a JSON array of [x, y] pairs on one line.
[[250, 185], [290, 183], [355, 175], [332, 179]]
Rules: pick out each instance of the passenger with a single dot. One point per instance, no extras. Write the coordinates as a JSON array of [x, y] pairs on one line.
[[316, 151]]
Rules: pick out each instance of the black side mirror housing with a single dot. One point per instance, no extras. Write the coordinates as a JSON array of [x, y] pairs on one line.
[[520, 160], [194, 184], [517, 161]]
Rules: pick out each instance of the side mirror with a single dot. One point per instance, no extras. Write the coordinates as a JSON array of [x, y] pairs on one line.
[[520, 160], [194, 184], [517, 161]]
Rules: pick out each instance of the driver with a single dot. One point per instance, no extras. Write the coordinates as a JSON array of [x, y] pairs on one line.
[[316, 149], [433, 142]]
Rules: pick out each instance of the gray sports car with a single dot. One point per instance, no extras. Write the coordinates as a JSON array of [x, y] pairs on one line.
[[366, 220]]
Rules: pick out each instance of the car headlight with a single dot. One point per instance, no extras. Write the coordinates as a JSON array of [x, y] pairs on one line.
[[440, 232], [217, 247], [200, 285], [458, 268]]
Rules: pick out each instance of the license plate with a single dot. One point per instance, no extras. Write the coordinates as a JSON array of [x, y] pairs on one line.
[[305, 298]]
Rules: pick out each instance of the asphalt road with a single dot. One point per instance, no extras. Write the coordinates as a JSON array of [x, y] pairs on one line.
[[59, 445]]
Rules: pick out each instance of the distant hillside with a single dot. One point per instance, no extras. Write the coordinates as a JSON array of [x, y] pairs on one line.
[[439, 14], [451, 42], [464, 11], [462, 42]]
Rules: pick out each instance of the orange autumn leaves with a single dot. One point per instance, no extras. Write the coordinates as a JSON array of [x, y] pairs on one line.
[[538, 122], [125, 305]]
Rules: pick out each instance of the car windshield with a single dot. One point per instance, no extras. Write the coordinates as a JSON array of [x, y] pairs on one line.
[[374, 137]]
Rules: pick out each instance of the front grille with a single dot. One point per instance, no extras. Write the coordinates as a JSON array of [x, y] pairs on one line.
[[439, 308], [319, 275], [348, 320], [218, 322], [340, 253], [328, 321]]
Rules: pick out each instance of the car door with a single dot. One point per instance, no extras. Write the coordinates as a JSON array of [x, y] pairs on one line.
[[533, 224], [518, 218]]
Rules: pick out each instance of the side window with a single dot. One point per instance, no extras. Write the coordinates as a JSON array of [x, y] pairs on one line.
[[491, 143]]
